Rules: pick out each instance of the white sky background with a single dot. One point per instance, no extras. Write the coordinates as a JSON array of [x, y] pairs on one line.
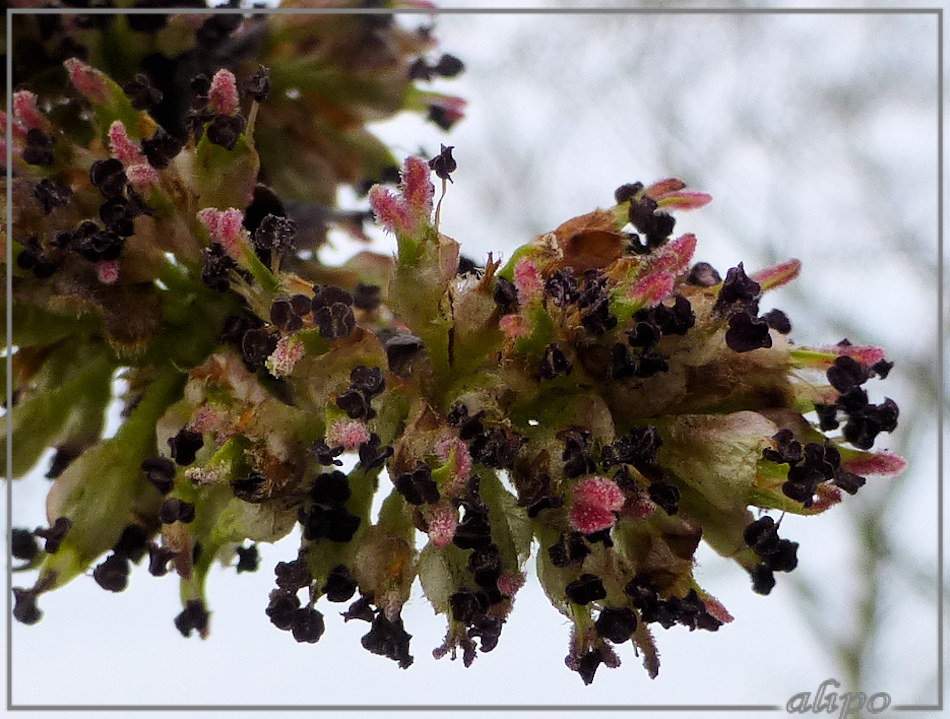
[[816, 136]]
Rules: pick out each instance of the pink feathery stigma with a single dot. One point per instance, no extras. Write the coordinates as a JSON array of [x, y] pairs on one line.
[[640, 507], [390, 211], [509, 583], [223, 93], [662, 187], [347, 433], [454, 448], [716, 609], [868, 356], [107, 271], [211, 219], [231, 225], [441, 520], [827, 498], [884, 463], [514, 326], [653, 289], [528, 280], [207, 418], [89, 81], [26, 111], [677, 256], [417, 189], [142, 177], [285, 356], [122, 147], [595, 500], [777, 275], [452, 108], [683, 200], [226, 228]]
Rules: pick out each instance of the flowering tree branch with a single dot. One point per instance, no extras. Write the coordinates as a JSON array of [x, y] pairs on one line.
[[601, 400]]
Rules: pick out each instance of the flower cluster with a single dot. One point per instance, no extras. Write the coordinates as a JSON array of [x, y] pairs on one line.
[[601, 401]]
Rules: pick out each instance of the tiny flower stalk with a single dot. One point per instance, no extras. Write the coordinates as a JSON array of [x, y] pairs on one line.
[[600, 398]]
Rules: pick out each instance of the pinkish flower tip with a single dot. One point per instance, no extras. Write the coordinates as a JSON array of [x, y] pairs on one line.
[[107, 271], [677, 256], [451, 109], [662, 187], [347, 433], [285, 356], [417, 188], [528, 280], [208, 418], [462, 460], [868, 356], [882, 463], [223, 94], [142, 177], [122, 147], [211, 219], [716, 609], [509, 583], [226, 227], [442, 521], [778, 275], [26, 111], [390, 211], [683, 200], [514, 326], [89, 81], [653, 289]]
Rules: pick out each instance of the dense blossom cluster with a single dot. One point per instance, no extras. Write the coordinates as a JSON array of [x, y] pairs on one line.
[[601, 400]]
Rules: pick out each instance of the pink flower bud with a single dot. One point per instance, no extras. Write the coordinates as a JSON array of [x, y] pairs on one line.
[[122, 147], [347, 433], [89, 81], [441, 520], [595, 500], [223, 94]]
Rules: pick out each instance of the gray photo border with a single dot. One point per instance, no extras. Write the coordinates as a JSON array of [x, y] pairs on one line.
[[11, 13]]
